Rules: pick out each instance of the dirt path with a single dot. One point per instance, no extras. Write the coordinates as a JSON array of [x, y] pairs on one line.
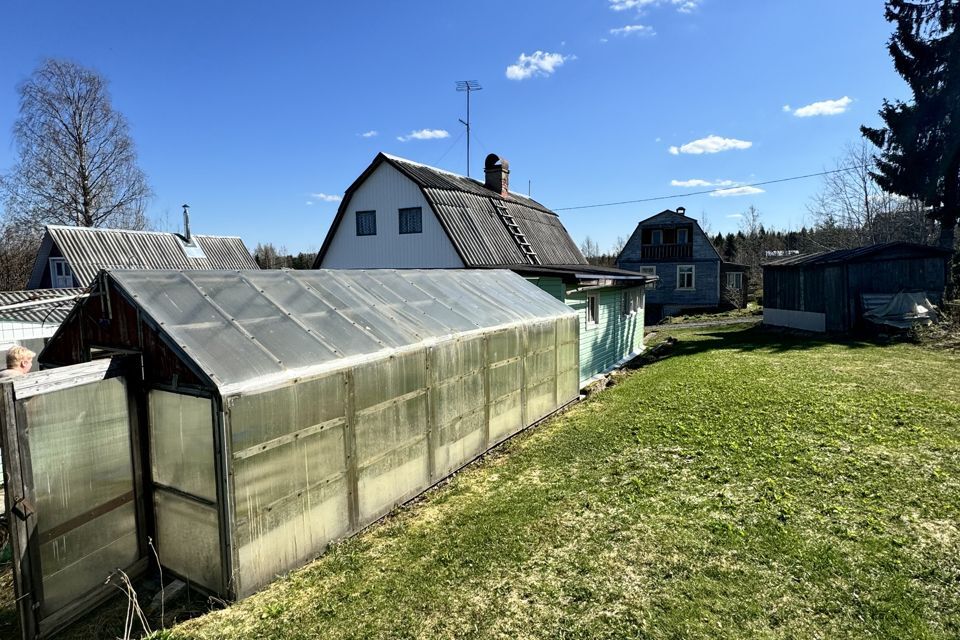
[[699, 325]]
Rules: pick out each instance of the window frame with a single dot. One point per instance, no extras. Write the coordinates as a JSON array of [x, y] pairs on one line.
[[738, 276], [693, 277], [656, 237], [647, 270], [593, 311], [67, 273], [631, 301], [373, 215], [686, 235], [409, 210]]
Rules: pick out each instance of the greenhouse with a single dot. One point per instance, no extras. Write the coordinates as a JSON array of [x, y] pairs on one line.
[[282, 410]]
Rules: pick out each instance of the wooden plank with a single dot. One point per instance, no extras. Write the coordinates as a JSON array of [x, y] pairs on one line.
[[15, 491], [350, 449]]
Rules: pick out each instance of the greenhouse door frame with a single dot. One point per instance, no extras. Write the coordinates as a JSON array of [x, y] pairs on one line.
[[21, 502]]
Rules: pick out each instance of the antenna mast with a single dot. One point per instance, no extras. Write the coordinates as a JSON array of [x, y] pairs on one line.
[[468, 86]]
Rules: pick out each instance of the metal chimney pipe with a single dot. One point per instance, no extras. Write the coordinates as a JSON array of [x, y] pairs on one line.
[[186, 222]]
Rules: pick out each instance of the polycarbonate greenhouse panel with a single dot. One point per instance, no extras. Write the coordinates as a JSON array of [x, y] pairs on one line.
[[181, 442], [256, 329], [188, 538], [79, 441], [289, 468]]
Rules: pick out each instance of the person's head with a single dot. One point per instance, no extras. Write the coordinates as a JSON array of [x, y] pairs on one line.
[[20, 359]]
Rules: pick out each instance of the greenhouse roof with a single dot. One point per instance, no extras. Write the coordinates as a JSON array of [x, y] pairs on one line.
[[249, 329]]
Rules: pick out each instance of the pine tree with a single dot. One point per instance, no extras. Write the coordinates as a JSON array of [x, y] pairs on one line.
[[920, 144]]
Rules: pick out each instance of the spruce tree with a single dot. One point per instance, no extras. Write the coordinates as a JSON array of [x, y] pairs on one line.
[[920, 144]]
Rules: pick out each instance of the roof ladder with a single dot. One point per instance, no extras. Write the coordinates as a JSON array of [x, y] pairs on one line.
[[517, 234]]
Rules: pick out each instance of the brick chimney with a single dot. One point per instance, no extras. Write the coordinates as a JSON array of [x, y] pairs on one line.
[[496, 174]]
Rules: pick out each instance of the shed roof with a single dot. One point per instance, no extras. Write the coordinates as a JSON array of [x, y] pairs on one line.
[[839, 256], [89, 249], [252, 329], [49, 306], [467, 212]]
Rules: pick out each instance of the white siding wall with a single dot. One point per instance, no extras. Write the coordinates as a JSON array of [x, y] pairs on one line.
[[386, 191], [806, 320]]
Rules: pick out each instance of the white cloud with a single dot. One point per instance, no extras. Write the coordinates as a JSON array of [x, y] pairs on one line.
[[538, 63], [711, 144], [369, 134], [735, 215], [823, 108], [737, 191], [604, 41], [696, 182], [634, 29], [786, 108], [425, 134], [324, 197], [683, 6]]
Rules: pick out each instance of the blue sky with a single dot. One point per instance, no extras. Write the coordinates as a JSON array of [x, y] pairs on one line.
[[255, 113]]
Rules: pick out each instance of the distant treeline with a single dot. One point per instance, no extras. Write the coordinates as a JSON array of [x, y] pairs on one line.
[[269, 257]]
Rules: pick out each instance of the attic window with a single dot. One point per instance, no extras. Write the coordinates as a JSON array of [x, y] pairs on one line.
[[411, 220], [366, 223]]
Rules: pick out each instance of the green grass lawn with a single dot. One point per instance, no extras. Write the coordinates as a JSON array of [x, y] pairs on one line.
[[752, 485]]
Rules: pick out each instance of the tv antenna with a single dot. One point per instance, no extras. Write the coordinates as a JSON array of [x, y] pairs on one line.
[[468, 86]]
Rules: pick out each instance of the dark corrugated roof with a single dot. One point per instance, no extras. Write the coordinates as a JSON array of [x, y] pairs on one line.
[[88, 250], [53, 312], [579, 272], [850, 255]]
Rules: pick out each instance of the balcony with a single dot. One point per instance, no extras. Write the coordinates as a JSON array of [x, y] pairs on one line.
[[666, 251]]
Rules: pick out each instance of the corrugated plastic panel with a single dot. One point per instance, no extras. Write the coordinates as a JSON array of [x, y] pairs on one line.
[[259, 327]]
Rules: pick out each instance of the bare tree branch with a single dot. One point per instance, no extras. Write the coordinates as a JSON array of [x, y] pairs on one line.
[[77, 164]]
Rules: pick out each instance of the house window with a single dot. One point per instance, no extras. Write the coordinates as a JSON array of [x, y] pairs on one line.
[[411, 220], [647, 271], [735, 280], [683, 236], [685, 275], [632, 301], [366, 223], [656, 236], [61, 276], [593, 311]]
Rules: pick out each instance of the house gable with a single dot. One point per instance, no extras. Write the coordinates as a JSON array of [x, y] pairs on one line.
[[486, 228], [662, 252], [386, 190]]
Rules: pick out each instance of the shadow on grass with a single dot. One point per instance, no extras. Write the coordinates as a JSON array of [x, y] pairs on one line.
[[759, 338]]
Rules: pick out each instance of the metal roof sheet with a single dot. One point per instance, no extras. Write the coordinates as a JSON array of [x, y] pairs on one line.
[[88, 250], [848, 255], [251, 329], [52, 305]]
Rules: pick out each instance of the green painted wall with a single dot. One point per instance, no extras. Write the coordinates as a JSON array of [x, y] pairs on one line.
[[615, 335], [553, 286]]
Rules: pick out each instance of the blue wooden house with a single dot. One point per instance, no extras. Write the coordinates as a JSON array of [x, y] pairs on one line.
[[401, 214], [691, 273]]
